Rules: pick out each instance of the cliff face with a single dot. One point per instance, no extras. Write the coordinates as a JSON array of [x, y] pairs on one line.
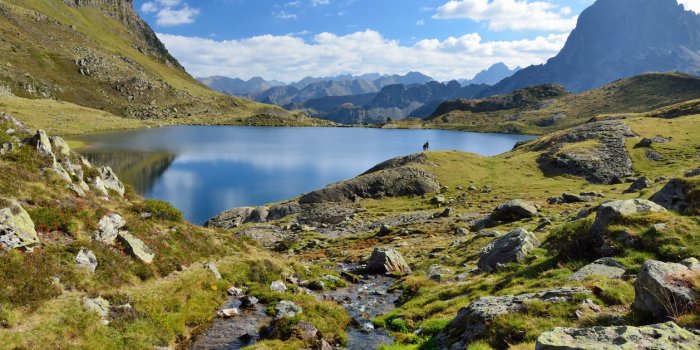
[[615, 39]]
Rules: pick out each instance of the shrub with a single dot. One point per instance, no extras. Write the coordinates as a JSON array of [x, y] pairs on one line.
[[27, 280], [160, 210], [572, 240]]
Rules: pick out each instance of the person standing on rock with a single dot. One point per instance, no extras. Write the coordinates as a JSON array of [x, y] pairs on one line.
[[426, 146]]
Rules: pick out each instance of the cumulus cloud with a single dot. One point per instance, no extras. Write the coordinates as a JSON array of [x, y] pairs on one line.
[[692, 5], [511, 14], [170, 12], [315, 3], [291, 58]]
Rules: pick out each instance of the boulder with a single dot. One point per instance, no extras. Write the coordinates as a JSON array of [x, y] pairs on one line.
[[16, 227], [238, 216], [108, 228], [43, 144], [287, 309], [639, 184], [665, 289], [653, 155], [278, 286], [60, 146], [280, 211], [98, 186], [135, 247], [248, 301], [438, 200], [86, 260], [471, 321], [613, 211], [657, 336], [693, 173], [513, 210], [111, 181], [211, 267], [77, 189], [675, 195], [386, 183], [97, 305], [416, 158], [227, 313], [513, 246], [235, 292], [607, 267], [573, 198], [387, 261]]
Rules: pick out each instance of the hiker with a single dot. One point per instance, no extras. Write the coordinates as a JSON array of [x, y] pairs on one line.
[[426, 146]]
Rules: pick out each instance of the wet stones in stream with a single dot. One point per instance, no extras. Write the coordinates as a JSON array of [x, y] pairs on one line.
[[234, 333]]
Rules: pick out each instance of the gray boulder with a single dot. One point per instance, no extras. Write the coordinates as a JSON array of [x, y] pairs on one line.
[[248, 301], [108, 228], [278, 286], [86, 260], [16, 226], [386, 183], [639, 184], [43, 144], [287, 309], [665, 289], [135, 247], [573, 198], [387, 261], [674, 196], [693, 173], [280, 211], [657, 336], [97, 185], [211, 267], [97, 305], [613, 211], [111, 181], [513, 210], [471, 321], [60, 146], [607, 267], [513, 246]]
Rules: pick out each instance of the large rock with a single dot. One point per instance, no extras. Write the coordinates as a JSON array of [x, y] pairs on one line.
[[665, 289], [108, 227], [613, 211], [471, 321], [416, 158], [16, 226], [387, 261], [607, 267], [136, 247], [657, 336], [60, 146], [86, 260], [231, 218], [675, 195], [513, 246], [513, 210], [387, 183], [43, 144], [639, 184], [111, 181], [280, 211], [212, 267], [605, 160], [97, 305], [287, 309]]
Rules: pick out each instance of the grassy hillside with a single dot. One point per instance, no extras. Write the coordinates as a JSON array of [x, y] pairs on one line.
[[101, 55], [634, 95]]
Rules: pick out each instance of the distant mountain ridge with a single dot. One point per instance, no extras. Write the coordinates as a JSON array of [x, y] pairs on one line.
[[238, 87], [492, 75], [614, 39]]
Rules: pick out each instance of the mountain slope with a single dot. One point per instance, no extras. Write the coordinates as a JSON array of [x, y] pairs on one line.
[[100, 54], [615, 39], [492, 75], [639, 94]]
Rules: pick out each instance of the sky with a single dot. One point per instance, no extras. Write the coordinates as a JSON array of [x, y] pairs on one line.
[[288, 40]]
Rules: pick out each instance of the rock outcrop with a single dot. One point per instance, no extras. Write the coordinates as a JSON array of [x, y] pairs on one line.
[[595, 151], [607, 267], [135, 247], [111, 181], [677, 195], [614, 211], [16, 226], [387, 183], [513, 246], [108, 228], [387, 261], [86, 260], [416, 158], [471, 321], [657, 336], [666, 289], [514, 210]]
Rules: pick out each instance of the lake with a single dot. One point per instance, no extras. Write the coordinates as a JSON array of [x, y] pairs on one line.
[[204, 170]]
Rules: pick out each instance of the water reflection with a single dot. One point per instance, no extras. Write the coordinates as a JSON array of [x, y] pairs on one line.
[[204, 170]]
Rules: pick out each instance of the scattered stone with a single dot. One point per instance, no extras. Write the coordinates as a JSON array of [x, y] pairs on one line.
[[278, 286], [228, 313], [665, 289], [16, 227], [385, 230], [235, 292], [488, 233], [461, 231], [60, 146], [98, 305], [86, 259], [472, 321], [572, 198], [280, 211], [111, 181], [543, 223], [607, 267], [658, 336], [108, 228], [387, 261], [287, 309], [445, 213], [639, 184], [551, 120], [653, 155], [248, 301], [693, 173], [43, 144], [513, 246], [674, 196], [514, 210], [135, 247], [386, 183], [98, 186], [306, 331], [79, 191], [211, 267], [438, 200]]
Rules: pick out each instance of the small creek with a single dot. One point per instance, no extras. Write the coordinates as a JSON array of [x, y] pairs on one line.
[[363, 301]]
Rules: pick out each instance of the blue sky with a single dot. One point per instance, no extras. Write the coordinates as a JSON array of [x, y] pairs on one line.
[[287, 40]]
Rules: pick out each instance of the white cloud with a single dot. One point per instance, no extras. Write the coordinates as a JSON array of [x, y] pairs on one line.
[[291, 58], [420, 23], [170, 12], [691, 5], [511, 14], [315, 3], [284, 15]]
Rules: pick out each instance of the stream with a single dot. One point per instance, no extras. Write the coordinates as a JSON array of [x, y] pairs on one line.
[[363, 301]]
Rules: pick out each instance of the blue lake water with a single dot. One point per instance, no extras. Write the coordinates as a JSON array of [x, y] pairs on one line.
[[203, 170]]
